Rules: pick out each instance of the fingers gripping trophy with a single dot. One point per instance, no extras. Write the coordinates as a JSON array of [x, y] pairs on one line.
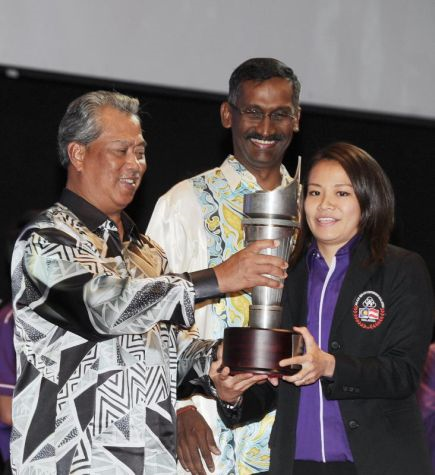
[[259, 347]]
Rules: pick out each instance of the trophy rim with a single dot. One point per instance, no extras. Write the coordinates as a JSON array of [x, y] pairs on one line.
[[275, 372]]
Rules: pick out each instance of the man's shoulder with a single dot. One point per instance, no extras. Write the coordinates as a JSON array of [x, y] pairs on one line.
[[57, 214], [205, 174], [58, 220], [186, 187]]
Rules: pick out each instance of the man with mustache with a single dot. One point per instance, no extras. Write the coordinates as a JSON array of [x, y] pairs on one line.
[[97, 317], [198, 223]]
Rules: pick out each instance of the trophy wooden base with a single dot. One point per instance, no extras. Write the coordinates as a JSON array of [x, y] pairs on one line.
[[258, 350]]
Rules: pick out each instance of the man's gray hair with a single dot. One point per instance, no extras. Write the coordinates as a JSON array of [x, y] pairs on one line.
[[80, 122]]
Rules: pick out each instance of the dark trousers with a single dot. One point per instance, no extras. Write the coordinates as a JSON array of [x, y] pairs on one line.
[[5, 467]]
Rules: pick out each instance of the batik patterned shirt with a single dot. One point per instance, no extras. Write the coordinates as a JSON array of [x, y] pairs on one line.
[[97, 341], [199, 223]]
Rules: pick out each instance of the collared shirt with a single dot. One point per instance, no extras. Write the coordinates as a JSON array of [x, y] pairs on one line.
[[97, 345], [320, 435], [199, 223]]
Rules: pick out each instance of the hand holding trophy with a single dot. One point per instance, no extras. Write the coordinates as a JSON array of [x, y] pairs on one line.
[[259, 347]]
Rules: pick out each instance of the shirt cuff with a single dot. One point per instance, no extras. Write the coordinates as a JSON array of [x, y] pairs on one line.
[[183, 403], [205, 283]]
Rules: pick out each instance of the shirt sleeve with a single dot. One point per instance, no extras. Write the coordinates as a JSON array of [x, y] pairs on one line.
[[78, 290]]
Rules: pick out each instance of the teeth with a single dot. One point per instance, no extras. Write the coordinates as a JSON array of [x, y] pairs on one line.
[[326, 220], [263, 142], [129, 180]]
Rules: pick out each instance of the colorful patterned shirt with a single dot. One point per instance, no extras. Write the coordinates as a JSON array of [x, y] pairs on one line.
[[97, 344], [199, 223]]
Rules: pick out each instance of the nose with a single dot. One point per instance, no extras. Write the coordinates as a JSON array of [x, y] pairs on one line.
[[326, 202], [135, 162], [265, 126]]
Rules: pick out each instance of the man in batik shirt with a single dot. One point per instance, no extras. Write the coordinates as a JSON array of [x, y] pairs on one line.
[[97, 337], [198, 224]]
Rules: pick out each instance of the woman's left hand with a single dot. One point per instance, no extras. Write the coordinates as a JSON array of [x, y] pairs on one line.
[[315, 362]]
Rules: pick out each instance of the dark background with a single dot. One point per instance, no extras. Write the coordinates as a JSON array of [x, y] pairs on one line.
[[185, 137]]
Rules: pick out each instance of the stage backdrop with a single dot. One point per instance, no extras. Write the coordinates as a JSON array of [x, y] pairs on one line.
[[185, 137], [373, 55]]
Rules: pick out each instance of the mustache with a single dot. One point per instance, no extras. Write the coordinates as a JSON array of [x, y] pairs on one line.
[[273, 137]]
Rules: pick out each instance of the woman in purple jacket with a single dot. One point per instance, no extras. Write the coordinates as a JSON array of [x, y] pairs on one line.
[[364, 308]]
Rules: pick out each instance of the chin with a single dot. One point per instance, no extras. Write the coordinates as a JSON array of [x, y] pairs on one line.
[[265, 162]]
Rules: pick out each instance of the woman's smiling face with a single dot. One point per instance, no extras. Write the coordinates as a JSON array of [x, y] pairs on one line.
[[331, 207]]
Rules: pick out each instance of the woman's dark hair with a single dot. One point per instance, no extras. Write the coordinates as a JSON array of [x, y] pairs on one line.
[[372, 189]]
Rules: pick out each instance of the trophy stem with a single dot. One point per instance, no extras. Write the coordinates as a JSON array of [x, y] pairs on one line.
[[265, 316]]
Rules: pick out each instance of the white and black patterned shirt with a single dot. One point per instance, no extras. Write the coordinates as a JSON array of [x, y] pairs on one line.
[[97, 346]]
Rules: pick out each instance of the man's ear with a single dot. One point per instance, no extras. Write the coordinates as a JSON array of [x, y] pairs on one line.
[[226, 117], [76, 154], [296, 122]]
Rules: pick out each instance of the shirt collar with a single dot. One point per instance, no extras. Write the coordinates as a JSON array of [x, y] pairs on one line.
[[236, 173], [313, 250], [92, 217]]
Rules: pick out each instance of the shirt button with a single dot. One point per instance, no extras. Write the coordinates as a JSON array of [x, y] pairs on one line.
[[335, 345], [353, 424]]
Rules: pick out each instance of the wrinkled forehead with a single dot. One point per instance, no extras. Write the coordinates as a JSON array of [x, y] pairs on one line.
[[119, 125]]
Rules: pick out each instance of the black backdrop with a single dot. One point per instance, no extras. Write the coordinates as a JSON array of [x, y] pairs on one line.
[[185, 136]]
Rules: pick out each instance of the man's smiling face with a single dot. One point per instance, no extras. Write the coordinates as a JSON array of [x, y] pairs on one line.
[[261, 143], [112, 166]]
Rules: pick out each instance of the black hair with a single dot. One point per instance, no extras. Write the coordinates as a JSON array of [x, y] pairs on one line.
[[373, 191], [259, 70]]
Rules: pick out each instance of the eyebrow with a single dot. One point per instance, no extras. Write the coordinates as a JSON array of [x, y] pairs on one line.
[[128, 142], [336, 185], [289, 108]]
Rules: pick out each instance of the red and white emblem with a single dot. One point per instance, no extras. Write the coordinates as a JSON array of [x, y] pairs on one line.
[[369, 310]]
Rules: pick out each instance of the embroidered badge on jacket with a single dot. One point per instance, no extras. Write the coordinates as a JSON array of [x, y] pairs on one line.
[[369, 310]]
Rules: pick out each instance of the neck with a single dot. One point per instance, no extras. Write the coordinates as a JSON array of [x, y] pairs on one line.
[[268, 181], [267, 178], [115, 216], [328, 253]]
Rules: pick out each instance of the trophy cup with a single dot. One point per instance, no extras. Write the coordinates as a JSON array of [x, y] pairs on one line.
[[259, 347]]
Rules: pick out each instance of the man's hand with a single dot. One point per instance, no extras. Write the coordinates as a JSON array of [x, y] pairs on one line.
[[248, 268], [195, 439], [230, 388]]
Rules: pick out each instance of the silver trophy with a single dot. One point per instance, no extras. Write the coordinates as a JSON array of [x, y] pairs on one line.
[[260, 346]]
